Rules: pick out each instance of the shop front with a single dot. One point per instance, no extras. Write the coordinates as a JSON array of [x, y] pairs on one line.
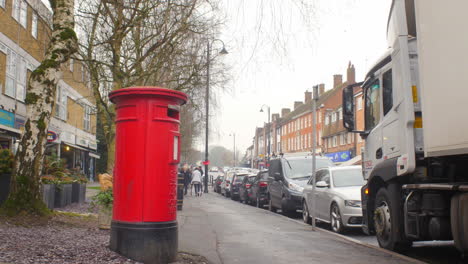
[[9, 134]]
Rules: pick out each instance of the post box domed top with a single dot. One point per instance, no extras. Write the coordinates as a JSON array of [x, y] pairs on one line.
[[148, 91]]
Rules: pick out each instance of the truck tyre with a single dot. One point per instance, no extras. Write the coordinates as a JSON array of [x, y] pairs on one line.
[[459, 221], [388, 220]]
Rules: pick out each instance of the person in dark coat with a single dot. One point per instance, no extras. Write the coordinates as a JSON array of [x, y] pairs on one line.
[[187, 177]]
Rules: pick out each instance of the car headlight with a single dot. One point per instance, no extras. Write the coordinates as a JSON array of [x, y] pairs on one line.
[[352, 203], [295, 187]]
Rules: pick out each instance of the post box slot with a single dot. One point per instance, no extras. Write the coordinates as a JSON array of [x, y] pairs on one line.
[[173, 113], [175, 151]]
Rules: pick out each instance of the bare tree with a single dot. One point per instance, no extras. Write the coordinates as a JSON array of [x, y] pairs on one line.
[[40, 101], [146, 42]]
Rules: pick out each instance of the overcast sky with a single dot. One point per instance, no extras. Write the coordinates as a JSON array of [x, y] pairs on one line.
[[278, 49]]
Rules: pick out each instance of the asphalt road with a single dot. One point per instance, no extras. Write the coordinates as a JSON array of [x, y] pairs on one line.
[[228, 232]]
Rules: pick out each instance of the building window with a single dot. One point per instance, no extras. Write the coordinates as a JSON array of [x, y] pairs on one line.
[[359, 103], [24, 14], [2, 3], [350, 137], [340, 114], [327, 119], [71, 65], [16, 74], [16, 10], [61, 105], [334, 117], [335, 141], [319, 137], [34, 26], [10, 86], [87, 118]]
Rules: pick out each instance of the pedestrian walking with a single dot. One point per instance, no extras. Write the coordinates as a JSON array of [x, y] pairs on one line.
[[187, 177], [196, 181]]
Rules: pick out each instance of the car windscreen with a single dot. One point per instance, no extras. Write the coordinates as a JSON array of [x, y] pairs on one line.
[[264, 176], [239, 178], [346, 178], [302, 168], [252, 178]]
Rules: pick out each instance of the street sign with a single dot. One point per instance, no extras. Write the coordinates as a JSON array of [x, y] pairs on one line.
[[51, 136]]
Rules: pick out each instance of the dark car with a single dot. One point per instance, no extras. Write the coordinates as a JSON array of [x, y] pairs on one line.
[[236, 183], [287, 177], [217, 184], [259, 190], [244, 189]]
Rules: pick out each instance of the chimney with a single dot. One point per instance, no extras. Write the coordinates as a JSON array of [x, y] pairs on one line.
[[337, 80], [321, 89], [308, 97], [297, 104], [285, 111], [350, 74], [275, 117]]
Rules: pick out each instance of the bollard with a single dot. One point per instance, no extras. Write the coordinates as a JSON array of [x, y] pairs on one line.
[[147, 150]]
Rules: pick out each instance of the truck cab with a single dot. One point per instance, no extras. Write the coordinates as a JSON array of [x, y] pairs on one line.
[[416, 144]]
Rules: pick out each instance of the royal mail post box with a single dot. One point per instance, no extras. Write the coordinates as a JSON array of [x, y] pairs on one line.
[[144, 222]]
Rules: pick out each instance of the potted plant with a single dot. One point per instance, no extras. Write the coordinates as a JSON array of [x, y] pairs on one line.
[[6, 167], [48, 183], [55, 167], [103, 201], [78, 186]]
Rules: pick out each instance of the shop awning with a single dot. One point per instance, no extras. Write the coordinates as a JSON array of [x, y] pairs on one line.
[[11, 129], [94, 155], [74, 146]]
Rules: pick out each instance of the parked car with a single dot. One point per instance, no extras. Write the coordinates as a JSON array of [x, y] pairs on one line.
[[237, 179], [226, 183], [259, 190], [245, 188], [217, 183], [337, 196], [287, 177]]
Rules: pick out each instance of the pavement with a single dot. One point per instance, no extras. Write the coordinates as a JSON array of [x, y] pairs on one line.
[[226, 232]]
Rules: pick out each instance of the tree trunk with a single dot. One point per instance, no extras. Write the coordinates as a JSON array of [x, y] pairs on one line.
[[40, 101]]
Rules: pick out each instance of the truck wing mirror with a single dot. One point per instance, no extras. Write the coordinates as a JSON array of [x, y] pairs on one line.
[[348, 108]]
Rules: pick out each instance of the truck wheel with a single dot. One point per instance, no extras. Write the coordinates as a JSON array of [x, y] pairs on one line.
[[459, 223], [388, 221]]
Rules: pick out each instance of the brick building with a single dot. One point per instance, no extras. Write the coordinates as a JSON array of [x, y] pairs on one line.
[[24, 37], [294, 128]]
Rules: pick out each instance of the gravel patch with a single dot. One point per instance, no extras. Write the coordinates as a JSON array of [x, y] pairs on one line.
[[82, 208], [63, 238]]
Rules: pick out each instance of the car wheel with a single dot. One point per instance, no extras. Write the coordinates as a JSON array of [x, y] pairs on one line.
[[386, 221], [335, 219], [285, 211], [305, 213], [270, 206]]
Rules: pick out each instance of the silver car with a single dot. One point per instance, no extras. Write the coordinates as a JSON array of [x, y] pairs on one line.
[[337, 196]]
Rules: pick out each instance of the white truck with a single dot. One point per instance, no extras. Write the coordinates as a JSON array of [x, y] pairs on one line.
[[416, 127]]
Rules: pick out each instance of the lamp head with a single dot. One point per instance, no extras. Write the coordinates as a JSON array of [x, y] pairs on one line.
[[223, 51], [261, 110]]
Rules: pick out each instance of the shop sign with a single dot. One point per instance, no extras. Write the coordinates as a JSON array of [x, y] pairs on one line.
[[7, 118], [92, 145], [82, 142], [339, 156], [51, 136], [19, 122]]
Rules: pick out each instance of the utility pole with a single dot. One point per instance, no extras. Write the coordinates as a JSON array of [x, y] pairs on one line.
[[314, 146], [207, 100]]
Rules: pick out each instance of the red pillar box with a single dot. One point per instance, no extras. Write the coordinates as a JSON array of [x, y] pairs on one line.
[[144, 223]]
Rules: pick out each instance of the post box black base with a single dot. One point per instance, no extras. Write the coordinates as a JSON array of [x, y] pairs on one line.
[[150, 243]]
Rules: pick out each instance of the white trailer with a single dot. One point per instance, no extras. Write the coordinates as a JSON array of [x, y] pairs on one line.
[[416, 127]]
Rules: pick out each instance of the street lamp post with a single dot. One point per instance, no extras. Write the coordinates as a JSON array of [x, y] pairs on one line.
[[314, 146], [207, 105], [269, 129]]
